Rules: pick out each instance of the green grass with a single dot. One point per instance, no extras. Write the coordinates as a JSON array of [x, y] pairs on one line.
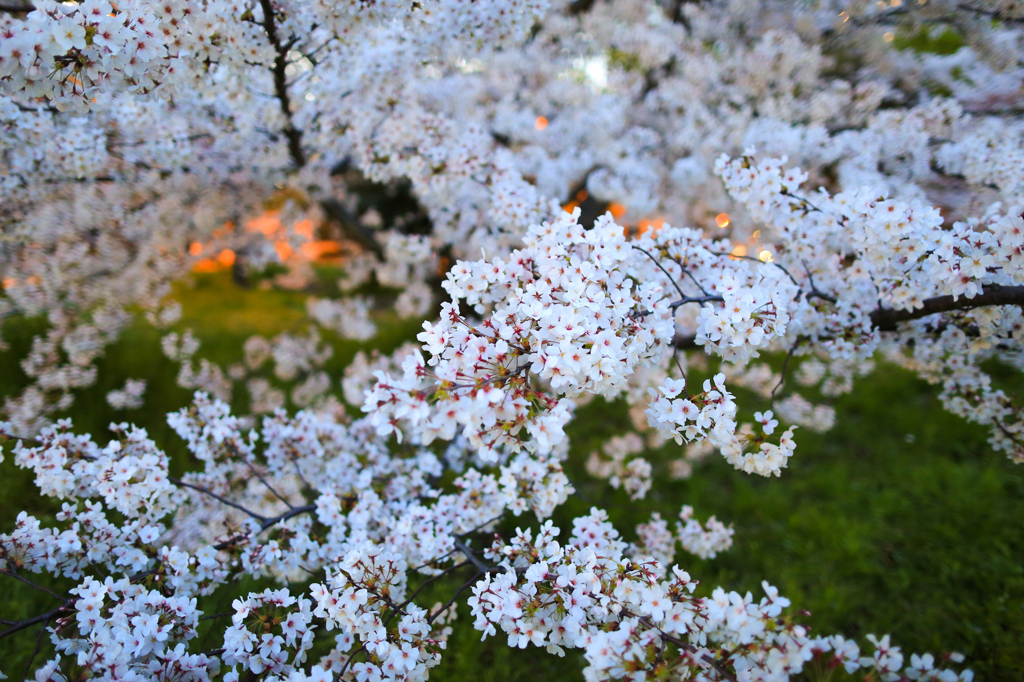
[[927, 41], [901, 519]]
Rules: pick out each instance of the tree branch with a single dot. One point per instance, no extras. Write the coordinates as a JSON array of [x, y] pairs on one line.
[[886, 319], [206, 491], [996, 15], [281, 48], [19, 626], [434, 616], [481, 566]]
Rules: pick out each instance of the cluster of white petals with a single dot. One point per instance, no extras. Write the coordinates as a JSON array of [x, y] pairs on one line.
[[647, 201]]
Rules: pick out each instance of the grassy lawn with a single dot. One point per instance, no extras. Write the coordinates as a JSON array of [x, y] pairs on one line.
[[900, 519]]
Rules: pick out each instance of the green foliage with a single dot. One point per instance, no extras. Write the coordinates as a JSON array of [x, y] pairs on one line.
[[901, 519], [627, 61], [945, 43]]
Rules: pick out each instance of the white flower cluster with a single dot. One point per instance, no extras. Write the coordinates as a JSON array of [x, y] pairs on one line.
[[357, 593], [124, 628], [563, 308], [360, 373], [711, 415], [263, 629], [136, 136], [703, 540], [128, 397], [248, 512], [706, 540], [633, 476], [900, 259], [585, 594], [129, 474], [348, 317]]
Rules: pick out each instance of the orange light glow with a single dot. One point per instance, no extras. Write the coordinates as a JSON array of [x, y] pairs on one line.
[[570, 207], [267, 224], [722, 220], [582, 195], [617, 210], [195, 248], [304, 228], [9, 282], [541, 123], [739, 251], [224, 230], [284, 249], [326, 249], [765, 256], [226, 258], [206, 265], [653, 224]]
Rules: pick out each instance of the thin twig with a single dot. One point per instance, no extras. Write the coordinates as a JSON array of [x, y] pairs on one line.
[[19, 626], [276, 494], [35, 651], [400, 608], [484, 568], [662, 268], [32, 584], [353, 655], [772, 262], [216, 615], [685, 646], [691, 276], [279, 72], [259, 517], [434, 616], [782, 377], [298, 472]]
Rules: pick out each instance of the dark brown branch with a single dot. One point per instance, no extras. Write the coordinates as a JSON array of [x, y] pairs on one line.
[[579, 7], [31, 584], [481, 566], [695, 299], [434, 616], [782, 374], [351, 227], [177, 481], [281, 49], [400, 608], [43, 618], [886, 319], [993, 14], [267, 523], [16, 8], [662, 268]]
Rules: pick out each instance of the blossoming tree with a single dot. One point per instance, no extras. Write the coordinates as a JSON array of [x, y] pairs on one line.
[[846, 201]]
